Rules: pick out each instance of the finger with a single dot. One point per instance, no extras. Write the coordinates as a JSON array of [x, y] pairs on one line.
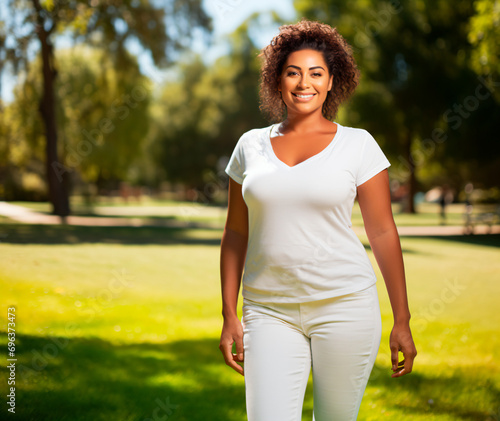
[[399, 373], [229, 357], [409, 357], [240, 348], [236, 366], [226, 347], [399, 367], [405, 367], [394, 356]]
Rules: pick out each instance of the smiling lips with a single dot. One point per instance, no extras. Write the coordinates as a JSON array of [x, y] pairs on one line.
[[303, 97]]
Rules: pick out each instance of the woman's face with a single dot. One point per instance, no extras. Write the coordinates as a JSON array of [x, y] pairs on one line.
[[305, 82]]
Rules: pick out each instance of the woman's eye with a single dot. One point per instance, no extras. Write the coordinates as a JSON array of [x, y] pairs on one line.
[[291, 73]]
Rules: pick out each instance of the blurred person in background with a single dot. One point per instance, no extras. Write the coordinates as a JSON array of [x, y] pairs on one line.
[[445, 199]]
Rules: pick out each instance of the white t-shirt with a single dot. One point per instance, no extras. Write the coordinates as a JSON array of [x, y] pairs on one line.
[[301, 246]]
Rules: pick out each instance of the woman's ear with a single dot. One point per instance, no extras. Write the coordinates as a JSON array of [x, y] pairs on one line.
[[330, 84]]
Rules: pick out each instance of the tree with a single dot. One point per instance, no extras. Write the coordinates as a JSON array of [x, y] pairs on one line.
[[106, 24], [415, 60], [202, 114], [485, 37], [104, 117]]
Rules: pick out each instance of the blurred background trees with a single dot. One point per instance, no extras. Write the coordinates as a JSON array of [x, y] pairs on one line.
[[103, 117], [106, 24], [204, 112], [420, 94], [429, 93]]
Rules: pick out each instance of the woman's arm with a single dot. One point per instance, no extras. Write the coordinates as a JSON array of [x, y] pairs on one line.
[[232, 259], [374, 200]]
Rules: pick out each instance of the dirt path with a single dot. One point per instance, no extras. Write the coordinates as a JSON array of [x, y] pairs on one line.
[[29, 216]]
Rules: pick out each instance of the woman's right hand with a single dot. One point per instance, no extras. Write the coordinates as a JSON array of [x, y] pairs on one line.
[[232, 332]]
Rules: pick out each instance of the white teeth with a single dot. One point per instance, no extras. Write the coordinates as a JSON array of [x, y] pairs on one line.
[[305, 96]]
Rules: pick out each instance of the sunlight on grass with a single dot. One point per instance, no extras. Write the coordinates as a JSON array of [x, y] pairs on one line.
[[151, 210], [125, 321]]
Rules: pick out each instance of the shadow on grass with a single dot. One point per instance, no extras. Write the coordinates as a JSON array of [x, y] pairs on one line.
[[490, 240], [92, 379], [73, 234], [455, 396]]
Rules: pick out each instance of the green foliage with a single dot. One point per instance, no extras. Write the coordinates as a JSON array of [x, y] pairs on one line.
[[103, 114], [485, 36], [21, 148], [164, 29], [418, 93], [201, 115], [109, 93]]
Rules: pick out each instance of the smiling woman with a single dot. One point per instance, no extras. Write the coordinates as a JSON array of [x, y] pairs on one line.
[[338, 63], [304, 88], [309, 289]]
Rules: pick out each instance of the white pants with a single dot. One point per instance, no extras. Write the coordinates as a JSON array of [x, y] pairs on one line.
[[339, 337]]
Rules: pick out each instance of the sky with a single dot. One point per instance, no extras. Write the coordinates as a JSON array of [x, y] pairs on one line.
[[226, 15], [229, 14]]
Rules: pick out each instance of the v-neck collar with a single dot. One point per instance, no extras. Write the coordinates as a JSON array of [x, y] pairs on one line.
[[340, 129]]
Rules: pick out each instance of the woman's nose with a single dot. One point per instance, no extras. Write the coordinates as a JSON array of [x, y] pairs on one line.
[[304, 82]]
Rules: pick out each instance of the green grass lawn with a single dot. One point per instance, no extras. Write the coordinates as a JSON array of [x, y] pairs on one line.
[[124, 324]]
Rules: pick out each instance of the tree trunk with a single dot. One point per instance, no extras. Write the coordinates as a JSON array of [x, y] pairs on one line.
[[57, 176], [412, 180]]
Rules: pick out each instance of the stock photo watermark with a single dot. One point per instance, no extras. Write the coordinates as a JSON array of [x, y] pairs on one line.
[[216, 184], [40, 358], [451, 290], [494, 415], [11, 359], [120, 108], [453, 117], [218, 181], [163, 410], [223, 7], [381, 19]]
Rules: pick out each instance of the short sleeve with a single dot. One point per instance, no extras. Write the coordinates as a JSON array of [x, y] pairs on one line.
[[235, 166], [372, 161]]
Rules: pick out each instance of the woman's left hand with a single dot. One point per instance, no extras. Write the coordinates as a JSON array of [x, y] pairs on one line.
[[401, 340]]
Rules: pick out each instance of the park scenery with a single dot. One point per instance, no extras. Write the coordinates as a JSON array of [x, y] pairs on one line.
[[117, 120]]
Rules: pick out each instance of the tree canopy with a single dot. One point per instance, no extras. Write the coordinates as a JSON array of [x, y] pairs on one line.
[[419, 94], [162, 30]]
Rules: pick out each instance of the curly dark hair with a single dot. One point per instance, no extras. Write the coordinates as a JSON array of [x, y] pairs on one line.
[[312, 35]]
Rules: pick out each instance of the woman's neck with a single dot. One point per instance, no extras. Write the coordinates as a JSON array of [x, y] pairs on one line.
[[300, 123]]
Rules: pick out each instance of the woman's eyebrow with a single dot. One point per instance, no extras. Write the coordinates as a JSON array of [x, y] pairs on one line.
[[310, 68]]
